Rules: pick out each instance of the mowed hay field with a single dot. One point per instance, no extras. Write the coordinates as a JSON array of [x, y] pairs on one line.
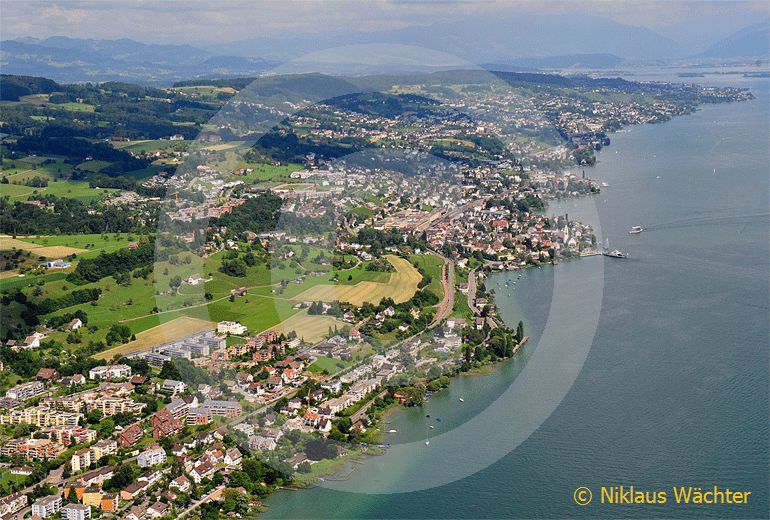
[[401, 286], [309, 328], [7, 242], [169, 331]]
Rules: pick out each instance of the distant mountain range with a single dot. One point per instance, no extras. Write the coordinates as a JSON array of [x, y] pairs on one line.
[[750, 41], [74, 60], [482, 39], [523, 43]]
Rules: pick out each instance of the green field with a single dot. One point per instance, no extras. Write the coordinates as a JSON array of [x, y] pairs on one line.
[[93, 166], [7, 478], [361, 274], [133, 305], [145, 173], [461, 308], [362, 212], [94, 243], [27, 167], [326, 363], [20, 170], [431, 265], [146, 303], [72, 107], [269, 172]]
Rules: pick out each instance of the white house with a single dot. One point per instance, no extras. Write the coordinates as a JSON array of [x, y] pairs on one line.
[[181, 483], [231, 327], [75, 324], [151, 456], [173, 387], [57, 264], [233, 457], [194, 279], [110, 371], [33, 340]]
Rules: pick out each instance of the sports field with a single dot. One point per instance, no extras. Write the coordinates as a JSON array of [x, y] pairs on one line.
[[401, 286], [169, 331]]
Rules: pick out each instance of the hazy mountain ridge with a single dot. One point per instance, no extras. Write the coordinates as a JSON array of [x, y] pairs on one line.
[[480, 39], [72, 60], [528, 42], [749, 41]]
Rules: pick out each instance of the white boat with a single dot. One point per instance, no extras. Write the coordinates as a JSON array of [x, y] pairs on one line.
[[392, 431], [431, 427], [636, 230], [605, 185], [427, 443], [615, 253], [462, 400]]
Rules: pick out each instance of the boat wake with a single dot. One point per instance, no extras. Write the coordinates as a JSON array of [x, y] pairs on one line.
[[707, 221]]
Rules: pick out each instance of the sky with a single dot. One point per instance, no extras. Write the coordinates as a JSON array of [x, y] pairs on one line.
[[202, 21]]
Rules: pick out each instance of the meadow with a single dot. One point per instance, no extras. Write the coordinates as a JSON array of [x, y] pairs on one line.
[[431, 265], [7, 478], [73, 107], [309, 328], [87, 245], [54, 251], [401, 286], [155, 313], [19, 171]]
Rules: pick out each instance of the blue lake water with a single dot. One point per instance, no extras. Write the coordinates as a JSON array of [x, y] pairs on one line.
[[668, 351]]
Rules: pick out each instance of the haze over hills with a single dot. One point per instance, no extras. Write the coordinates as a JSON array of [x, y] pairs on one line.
[[508, 42], [481, 39], [749, 41], [74, 59]]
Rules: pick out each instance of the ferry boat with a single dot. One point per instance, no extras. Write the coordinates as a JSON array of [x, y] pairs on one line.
[[615, 253], [612, 253], [636, 230]]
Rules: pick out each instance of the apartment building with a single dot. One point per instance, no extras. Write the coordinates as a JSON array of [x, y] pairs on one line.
[[47, 506], [26, 391]]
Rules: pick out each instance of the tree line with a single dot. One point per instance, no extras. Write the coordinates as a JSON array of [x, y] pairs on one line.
[[106, 264]]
